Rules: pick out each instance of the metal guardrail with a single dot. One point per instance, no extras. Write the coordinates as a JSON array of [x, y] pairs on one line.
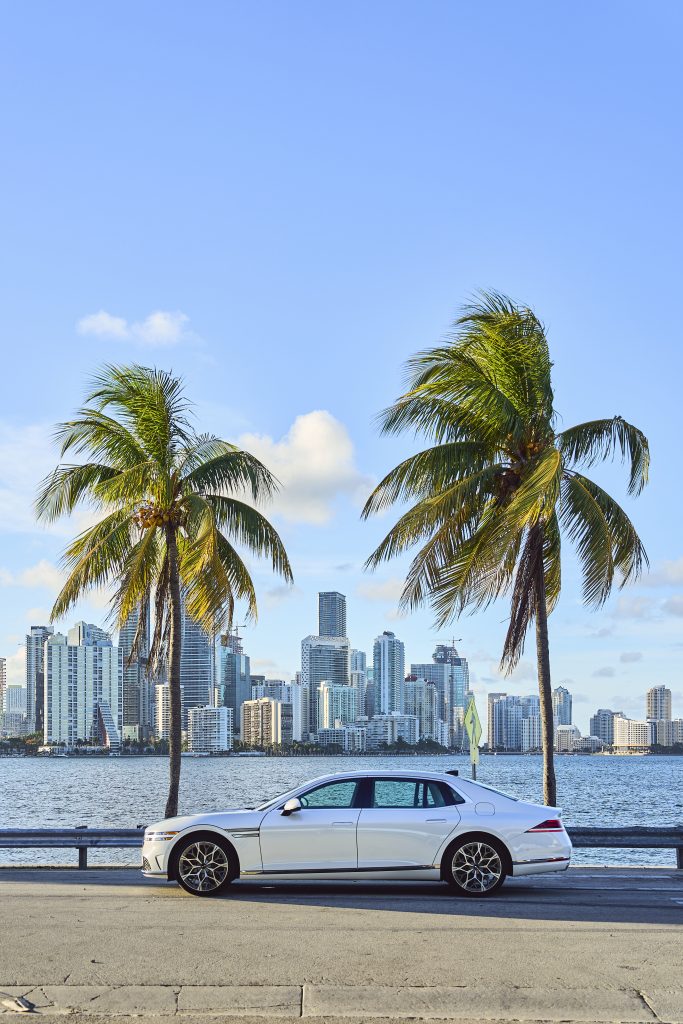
[[83, 839]]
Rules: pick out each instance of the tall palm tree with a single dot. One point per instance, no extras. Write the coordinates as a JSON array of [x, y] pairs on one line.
[[170, 506], [492, 496]]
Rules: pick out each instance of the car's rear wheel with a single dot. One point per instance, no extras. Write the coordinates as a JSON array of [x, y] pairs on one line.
[[204, 866], [475, 867]]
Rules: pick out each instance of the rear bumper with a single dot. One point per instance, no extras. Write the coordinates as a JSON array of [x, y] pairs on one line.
[[538, 867]]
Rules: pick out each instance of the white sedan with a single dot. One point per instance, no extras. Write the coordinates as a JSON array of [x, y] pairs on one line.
[[355, 825]]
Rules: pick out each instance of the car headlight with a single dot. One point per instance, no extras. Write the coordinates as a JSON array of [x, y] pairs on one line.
[[159, 836]]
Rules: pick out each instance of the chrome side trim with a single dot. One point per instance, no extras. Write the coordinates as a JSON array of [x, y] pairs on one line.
[[342, 870], [541, 860], [252, 833]]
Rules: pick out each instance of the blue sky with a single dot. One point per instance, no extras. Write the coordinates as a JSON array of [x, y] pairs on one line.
[[282, 202]]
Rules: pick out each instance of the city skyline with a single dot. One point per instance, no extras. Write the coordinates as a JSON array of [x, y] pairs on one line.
[[288, 287]]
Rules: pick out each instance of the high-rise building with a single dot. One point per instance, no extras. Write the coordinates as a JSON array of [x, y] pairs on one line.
[[275, 688], [630, 734], [358, 678], [421, 699], [331, 614], [490, 717], [300, 711], [336, 704], [602, 725], [14, 721], [450, 674], [233, 679], [565, 738], [562, 705], [386, 730], [506, 717], [35, 676], [136, 683], [209, 730], [658, 703], [266, 723], [532, 736], [323, 659], [3, 684], [196, 665], [358, 661], [388, 664], [162, 710], [83, 688]]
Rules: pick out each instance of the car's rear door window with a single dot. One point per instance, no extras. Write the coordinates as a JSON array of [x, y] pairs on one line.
[[414, 793]]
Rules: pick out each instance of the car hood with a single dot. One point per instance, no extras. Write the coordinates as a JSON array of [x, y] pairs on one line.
[[238, 817]]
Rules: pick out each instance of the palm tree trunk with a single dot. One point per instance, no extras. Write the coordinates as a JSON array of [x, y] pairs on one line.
[[544, 690], [175, 645]]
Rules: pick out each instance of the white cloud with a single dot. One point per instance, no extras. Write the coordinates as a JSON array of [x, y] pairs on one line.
[[42, 574], [161, 328], [674, 605], [606, 672], [16, 668], [630, 656], [25, 458], [276, 595], [634, 607], [314, 463], [668, 572], [381, 590]]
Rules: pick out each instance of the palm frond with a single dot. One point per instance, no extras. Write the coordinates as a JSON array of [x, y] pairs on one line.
[[95, 557], [63, 489], [590, 442]]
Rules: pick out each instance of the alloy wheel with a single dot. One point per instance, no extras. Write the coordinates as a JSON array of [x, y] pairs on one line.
[[203, 866], [477, 867]]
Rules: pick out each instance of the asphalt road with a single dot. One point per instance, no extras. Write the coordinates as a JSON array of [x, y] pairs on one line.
[[606, 942]]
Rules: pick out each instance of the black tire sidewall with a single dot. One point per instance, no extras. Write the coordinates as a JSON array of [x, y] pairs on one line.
[[217, 841]]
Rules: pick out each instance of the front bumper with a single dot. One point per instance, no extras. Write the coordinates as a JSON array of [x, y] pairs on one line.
[[155, 859]]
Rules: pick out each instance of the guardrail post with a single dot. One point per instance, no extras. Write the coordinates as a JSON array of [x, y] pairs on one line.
[[82, 857], [679, 856]]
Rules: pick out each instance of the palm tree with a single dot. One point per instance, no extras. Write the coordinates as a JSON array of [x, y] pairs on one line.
[[170, 506], [493, 495]]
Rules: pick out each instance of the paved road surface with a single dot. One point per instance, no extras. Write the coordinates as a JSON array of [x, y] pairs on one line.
[[589, 945]]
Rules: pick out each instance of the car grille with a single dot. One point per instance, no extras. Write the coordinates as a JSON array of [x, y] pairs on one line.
[[146, 865]]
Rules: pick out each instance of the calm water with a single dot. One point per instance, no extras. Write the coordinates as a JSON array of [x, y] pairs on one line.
[[123, 792]]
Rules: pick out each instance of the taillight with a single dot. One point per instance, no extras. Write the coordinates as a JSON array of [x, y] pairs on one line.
[[549, 825]]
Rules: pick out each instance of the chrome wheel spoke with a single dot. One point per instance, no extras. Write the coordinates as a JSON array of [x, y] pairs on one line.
[[477, 867], [203, 866]]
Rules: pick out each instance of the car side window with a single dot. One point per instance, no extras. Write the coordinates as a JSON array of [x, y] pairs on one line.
[[397, 793], [437, 794], [331, 794]]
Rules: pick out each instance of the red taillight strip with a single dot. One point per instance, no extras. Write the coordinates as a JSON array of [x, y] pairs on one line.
[[550, 825]]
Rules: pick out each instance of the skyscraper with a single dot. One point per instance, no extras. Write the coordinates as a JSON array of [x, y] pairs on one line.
[[196, 666], [602, 724], [562, 706], [323, 659], [83, 688], [233, 679], [136, 684], [35, 676], [450, 674], [336, 704], [388, 665], [658, 703], [331, 614]]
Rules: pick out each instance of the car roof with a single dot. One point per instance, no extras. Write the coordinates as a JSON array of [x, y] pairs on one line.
[[384, 774]]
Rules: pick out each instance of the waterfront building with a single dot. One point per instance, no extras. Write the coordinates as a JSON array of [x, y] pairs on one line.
[[506, 714], [562, 706], [388, 664], [450, 674], [35, 676], [266, 723], [421, 699], [336, 704], [490, 718], [658, 703], [386, 730], [565, 736], [631, 735], [352, 739], [665, 731], [587, 744], [323, 659], [209, 730], [602, 725], [83, 688], [196, 665], [162, 710], [3, 684], [331, 614], [233, 678], [532, 734], [137, 705], [14, 721]]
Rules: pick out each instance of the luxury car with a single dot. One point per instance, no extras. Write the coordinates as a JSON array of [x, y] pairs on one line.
[[382, 825]]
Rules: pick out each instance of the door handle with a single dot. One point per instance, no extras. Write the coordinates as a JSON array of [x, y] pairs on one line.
[[341, 824], [437, 819]]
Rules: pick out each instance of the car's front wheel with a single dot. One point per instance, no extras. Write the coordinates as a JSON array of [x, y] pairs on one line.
[[204, 866], [475, 867]]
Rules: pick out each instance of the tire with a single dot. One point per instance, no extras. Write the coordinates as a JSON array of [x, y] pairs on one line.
[[475, 866], [205, 865]]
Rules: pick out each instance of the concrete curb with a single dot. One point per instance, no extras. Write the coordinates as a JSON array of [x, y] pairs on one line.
[[337, 1002]]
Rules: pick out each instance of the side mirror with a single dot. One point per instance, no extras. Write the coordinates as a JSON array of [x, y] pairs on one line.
[[292, 805]]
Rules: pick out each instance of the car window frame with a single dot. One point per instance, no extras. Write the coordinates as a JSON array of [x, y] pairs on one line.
[[455, 798]]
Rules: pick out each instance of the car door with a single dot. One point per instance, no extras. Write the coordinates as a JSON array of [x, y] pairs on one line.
[[406, 822], [321, 836]]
